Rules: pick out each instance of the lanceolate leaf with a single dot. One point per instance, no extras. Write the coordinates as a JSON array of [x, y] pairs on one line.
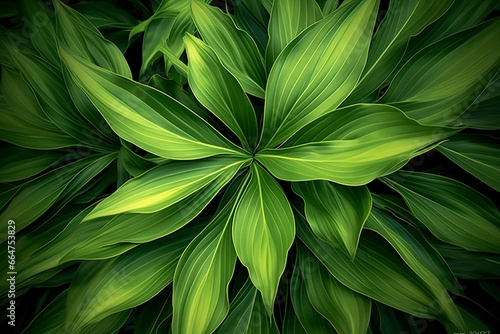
[[152, 318], [145, 116], [231, 44], [452, 211], [346, 310], [336, 213], [252, 16], [418, 254], [262, 245], [200, 301], [101, 288], [434, 86], [380, 274], [247, 314], [312, 321], [403, 20], [164, 185], [219, 91], [288, 19], [352, 146], [304, 85], [478, 155]]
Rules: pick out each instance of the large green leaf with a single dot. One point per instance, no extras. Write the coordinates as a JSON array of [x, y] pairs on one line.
[[317, 70], [311, 321], [164, 185], [435, 85], [252, 16], [200, 300], [152, 319], [102, 288], [478, 155], [336, 213], [418, 254], [403, 20], [346, 310], [145, 116], [289, 19], [262, 246], [235, 48], [379, 273], [452, 211], [247, 314], [352, 146], [219, 91], [31, 161]]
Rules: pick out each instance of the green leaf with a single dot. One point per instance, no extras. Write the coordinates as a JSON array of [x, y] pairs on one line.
[[417, 253], [478, 155], [403, 20], [219, 91], [336, 213], [133, 163], [328, 6], [317, 70], [154, 36], [247, 314], [102, 288], [200, 300], [163, 186], [252, 16], [346, 310], [152, 319], [289, 19], [235, 48], [311, 320], [291, 323], [106, 15], [452, 211], [379, 273], [20, 163], [352, 146], [144, 116], [460, 62], [263, 245]]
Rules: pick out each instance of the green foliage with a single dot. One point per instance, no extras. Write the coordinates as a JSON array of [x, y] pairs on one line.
[[267, 166]]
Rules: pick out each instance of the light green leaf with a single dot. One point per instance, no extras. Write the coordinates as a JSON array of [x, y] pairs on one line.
[[102, 288], [145, 116], [435, 85], [164, 185], [247, 314], [403, 20], [379, 273], [352, 146], [346, 310], [200, 298], [289, 19], [262, 246], [417, 253], [182, 25], [478, 155], [154, 36], [452, 211], [220, 92], [336, 213], [235, 48], [311, 321], [20, 163], [317, 70]]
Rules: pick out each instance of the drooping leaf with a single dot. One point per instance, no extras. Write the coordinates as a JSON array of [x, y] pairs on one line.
[[334, 52], [289, 19], [352, 146], [144, 116], [336, 213], [220, 92], [452, 211], [102, 288], [164, 186], [403, 20], [262, 246], [459, 62], [478, 155], [346, 310], [200, 299], [231, 44]]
